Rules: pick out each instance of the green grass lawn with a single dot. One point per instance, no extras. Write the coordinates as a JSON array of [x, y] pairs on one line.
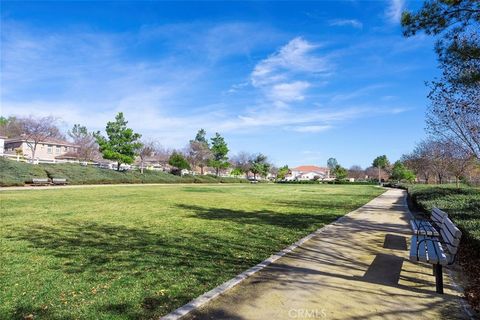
[[139, 252]]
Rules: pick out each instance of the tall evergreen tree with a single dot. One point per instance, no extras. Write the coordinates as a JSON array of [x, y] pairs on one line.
[[121, 144], [219, 150]]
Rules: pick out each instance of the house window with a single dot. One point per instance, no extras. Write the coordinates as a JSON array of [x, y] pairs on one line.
[[57, 150], [49, 149], [65, 149]]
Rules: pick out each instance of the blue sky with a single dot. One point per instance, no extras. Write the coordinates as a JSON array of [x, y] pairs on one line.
[[298, 81]]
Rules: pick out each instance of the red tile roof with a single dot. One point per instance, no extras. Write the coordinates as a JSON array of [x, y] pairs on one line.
[[310, 168]]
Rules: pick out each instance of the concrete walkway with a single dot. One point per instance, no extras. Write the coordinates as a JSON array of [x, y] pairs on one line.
[[356, 268]]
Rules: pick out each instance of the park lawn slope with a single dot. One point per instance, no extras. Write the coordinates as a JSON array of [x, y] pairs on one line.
[[463, 207], [13, 173], [139, 252]]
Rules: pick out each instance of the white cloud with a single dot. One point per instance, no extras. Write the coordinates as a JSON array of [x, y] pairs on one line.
[[311, 129], [286, 74], [347, 22], [394, 10], [287, 92], [296, 56]]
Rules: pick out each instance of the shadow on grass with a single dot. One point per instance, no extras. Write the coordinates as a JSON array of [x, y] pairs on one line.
[[105, 251], [261, 217]]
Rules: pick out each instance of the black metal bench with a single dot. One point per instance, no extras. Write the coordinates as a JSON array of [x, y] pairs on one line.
[[428, 228], [438, 251], [40, 182]]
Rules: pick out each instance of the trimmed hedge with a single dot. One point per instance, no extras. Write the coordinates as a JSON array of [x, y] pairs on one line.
[[13, 173], [366, 183]]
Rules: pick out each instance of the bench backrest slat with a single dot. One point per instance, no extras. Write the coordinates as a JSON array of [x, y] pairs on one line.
[[451, 234], [438, 216]]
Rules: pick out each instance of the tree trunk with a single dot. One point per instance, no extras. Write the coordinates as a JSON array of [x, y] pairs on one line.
[[141, 167], [201, 170], [118, 166], [379, 175], [254, 176], [217, 171]]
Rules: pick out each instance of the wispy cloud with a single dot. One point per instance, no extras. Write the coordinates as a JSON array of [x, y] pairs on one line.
[[394, 10], [346, 22], [311, 129], [87, 77], [283, 76]]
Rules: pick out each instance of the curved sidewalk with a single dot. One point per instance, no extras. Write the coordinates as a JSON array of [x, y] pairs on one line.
[[356, 268]]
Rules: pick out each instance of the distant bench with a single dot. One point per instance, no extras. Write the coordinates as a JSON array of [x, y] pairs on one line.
[[40, 182], [435, 246], [46, 182], [59, 181]]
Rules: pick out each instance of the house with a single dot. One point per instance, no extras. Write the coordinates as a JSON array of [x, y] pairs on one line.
[[2, 144], [49, 150], [308, 172]]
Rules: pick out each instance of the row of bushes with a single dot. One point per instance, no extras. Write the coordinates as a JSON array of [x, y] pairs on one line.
[[463, 207], [366, 183], [13, 173]]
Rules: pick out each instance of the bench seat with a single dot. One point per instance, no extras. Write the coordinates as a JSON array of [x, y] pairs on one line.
[[40, 181], [427, 249], [424, 228], [59, 181]]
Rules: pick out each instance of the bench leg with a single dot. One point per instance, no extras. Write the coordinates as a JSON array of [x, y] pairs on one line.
[[439, 278]]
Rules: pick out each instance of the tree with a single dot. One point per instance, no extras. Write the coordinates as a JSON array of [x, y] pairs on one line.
[[340, 172], [10, 127], [456, 23], [419, 161], [87, 146], [122, 144], [332, 164], [178, 161], [282, 172], [147, 150], [401, 173], [380, 162], [201, 136], [241, 161], [454, 113], [259, 166], [236, 172], [356, 172], [219, 150], [460, 161], [36, 130], [198, 151]]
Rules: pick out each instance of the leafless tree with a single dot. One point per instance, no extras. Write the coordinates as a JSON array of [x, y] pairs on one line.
[[36, 130], [420, 161], [198, 154], [460, 160], [87, 145], [454, 112], [242, 161], [147, 150], [356, 172]]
